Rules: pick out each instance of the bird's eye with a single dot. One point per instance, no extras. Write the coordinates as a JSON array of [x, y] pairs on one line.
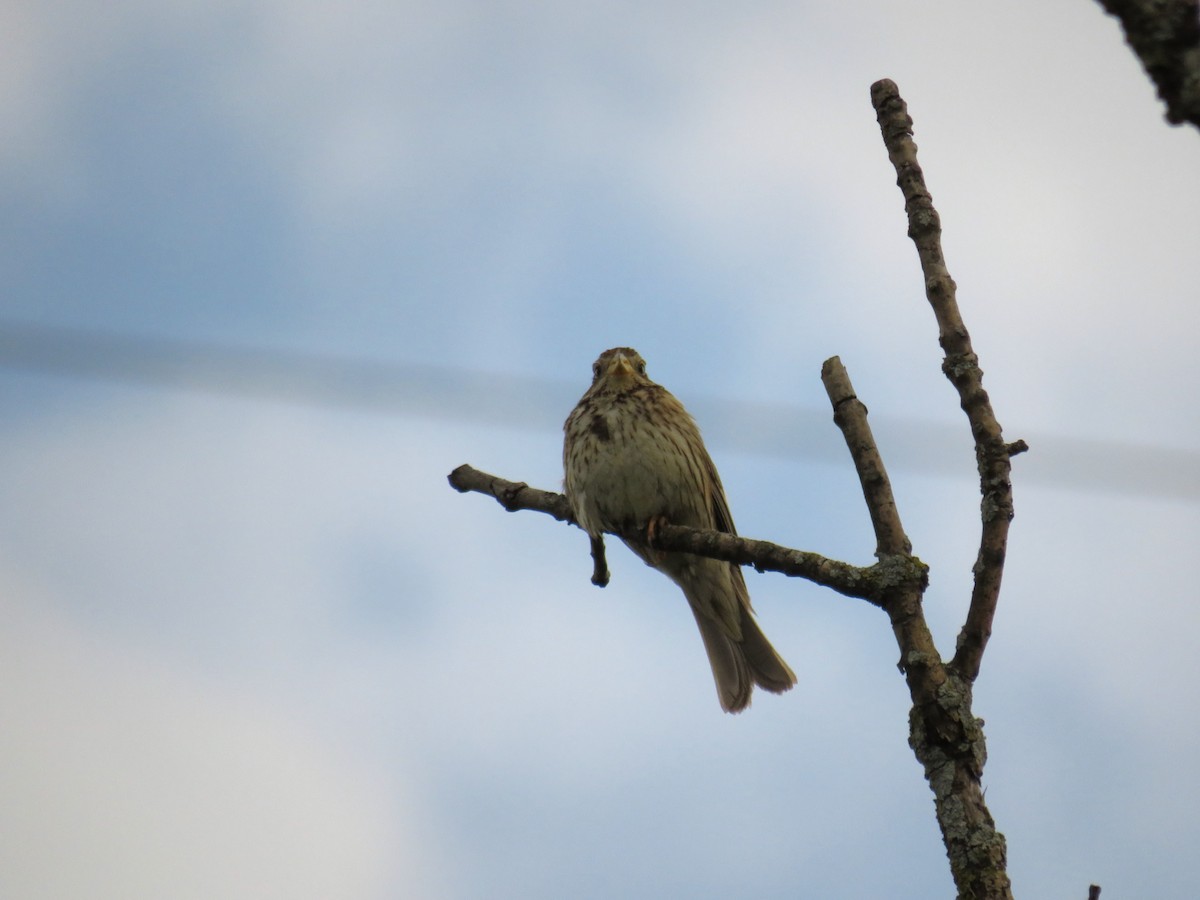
[[595, 370], [641, 367]]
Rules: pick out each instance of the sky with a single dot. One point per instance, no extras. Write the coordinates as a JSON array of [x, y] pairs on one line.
[[253, 645]]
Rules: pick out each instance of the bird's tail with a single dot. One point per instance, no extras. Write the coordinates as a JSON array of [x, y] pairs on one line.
[[738, 665]]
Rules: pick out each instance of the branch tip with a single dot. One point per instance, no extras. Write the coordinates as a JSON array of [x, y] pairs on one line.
[[1015, 448], [455, 479]]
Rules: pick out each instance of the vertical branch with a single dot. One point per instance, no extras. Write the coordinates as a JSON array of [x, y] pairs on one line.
[[850, 415], [944, 733], [961, 367], [908, 577]]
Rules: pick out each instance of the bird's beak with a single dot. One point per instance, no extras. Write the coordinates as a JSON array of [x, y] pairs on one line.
[[622, 367]]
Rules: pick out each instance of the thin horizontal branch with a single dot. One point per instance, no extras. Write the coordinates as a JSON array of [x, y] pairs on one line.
[[853, 581], [869, 583], [512, 495]]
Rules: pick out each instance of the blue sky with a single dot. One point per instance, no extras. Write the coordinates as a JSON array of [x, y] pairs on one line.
[[254, 645]]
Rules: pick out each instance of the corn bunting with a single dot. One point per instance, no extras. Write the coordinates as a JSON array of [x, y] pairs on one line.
[[633, 456]]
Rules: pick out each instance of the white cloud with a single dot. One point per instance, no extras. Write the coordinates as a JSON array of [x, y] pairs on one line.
[[126, 775]]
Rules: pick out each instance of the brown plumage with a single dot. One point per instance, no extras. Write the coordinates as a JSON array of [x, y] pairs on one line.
[[632, 454]]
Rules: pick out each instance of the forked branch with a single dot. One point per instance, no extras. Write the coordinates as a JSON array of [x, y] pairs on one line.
[[944, 733], [961, 367]]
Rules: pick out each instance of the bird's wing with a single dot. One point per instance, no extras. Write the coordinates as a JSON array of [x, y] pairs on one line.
[[722, 518]]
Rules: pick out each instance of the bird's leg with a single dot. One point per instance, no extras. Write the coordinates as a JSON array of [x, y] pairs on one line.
[[599, 562]]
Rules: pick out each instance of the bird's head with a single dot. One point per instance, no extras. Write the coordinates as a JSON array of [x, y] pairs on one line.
[[619, 367]]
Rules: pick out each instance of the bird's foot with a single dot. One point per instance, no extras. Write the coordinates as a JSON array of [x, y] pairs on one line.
[[652, 527]]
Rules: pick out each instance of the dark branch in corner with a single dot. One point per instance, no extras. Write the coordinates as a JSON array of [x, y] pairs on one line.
[[869, 583], [1165, 35]]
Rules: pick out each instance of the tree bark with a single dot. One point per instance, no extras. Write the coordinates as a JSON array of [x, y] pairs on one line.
[[1165, 36]]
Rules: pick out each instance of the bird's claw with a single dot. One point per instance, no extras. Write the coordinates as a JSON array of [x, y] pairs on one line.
[[652, 528]]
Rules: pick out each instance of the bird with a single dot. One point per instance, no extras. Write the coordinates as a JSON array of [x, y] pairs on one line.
[[632, 458]]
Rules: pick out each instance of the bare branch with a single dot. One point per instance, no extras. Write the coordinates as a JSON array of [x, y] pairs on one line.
[[512, 495], [1165, 35], [871, 583], [850, 415], [944, 733], [961, 367], [919, 657]]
